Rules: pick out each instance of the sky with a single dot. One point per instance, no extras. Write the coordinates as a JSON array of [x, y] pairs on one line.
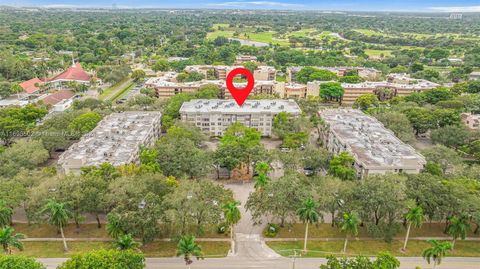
[[341, 5]]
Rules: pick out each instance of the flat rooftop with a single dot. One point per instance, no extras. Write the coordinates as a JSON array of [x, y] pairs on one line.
[[250, 106], [115, 139], [369, 141]]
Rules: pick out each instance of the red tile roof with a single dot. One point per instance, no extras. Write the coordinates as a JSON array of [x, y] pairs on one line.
[[57, 97], [75, 72], [29, 86]]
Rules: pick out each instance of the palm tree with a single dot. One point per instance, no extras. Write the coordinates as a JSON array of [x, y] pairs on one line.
[[414, 217], [58, 215], [5, 214], [126, 242], [436, 252], [114, 227], [308, 213], [458, 228], [9, 240], [349, 225], [187, 248], [232, 217]]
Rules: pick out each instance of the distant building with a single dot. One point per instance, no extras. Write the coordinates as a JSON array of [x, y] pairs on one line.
[[474, 76], [220, 72], [74, 73], [363, 72], [375, 149], [292, 90], [32, 86], [240, 59], [456, 16], [214, 116], [383, 89], [115, 140], [472, 121]]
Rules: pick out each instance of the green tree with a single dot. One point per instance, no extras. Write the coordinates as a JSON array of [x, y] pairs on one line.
[[232, 217], [331, 91], [445, 157], [138, 75], [126, 242], [114, 226], [84, 123], [9, 240], [349, 225], [308, 214], [458, 228], [398, 123], [342, 166], [436, 252], [366, 101], [451, 136], [58, 216], [105, 259], [413, 217], [19, 262], [188, 248], [6, 214]]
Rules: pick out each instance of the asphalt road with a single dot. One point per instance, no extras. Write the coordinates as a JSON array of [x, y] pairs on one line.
[[282, 263]]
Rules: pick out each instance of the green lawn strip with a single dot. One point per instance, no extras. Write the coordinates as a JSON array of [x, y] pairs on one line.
[[123, 91], [91, 231], [370, 248], [110, 89], [155, 249], [325, 230], [373, 52]]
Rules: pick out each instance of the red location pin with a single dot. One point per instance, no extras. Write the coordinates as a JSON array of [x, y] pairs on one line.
[[240, 95]]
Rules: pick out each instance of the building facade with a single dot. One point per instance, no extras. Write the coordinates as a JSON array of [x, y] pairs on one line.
[[115, 140], [375, 149], [214, 116]]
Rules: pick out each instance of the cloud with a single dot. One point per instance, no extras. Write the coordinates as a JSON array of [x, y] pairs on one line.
[[457, 9], [246, 4]]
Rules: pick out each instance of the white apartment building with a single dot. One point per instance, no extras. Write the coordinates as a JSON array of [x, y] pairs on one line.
[[214, 116], [376, 150], [115, 140]]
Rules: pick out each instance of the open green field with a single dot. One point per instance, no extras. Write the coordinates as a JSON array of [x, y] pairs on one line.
[[369, 248], [378, 53], [112, 88], [155, 249]]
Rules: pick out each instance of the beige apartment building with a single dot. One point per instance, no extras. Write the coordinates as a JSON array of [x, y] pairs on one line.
[[363, 72], [115, 140], [221, 71], [375, 149], [383, 89], [240, 59], [214, 116]]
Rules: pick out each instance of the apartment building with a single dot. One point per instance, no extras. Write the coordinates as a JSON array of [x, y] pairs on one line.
[[363, 72], [383, 89], [214, 116], [115, 140], [375, 149], [221, 71], [291, 90]]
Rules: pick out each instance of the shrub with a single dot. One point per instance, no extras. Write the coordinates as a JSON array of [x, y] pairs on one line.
[[19, 262], [272, 230], [106, 259], [222, 228]]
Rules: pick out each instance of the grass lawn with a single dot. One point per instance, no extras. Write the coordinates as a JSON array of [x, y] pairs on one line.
[[112, 88], [155, 249], [370, 248], [377, 53], [123, 91], [91, 231], [326, 230]]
